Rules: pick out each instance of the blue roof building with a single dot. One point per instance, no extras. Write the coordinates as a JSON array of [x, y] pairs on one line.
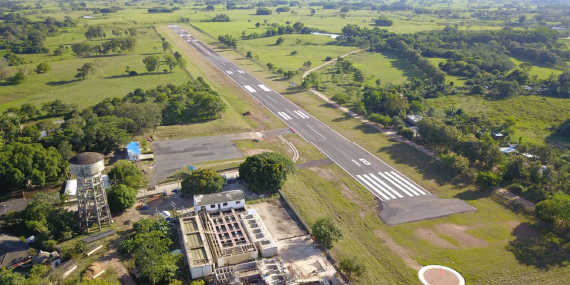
[[134, 151]]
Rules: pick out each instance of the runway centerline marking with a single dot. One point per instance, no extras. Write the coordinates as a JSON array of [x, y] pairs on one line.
[[356, 162], [316, 132], [291, 113]]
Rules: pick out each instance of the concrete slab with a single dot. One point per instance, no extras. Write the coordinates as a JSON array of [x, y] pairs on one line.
[[401, 211], [277, 220], [172, 155]]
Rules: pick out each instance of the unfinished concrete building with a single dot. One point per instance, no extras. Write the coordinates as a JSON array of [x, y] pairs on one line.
[[198, 255], [227, 239], [258, 233], [261, 272]]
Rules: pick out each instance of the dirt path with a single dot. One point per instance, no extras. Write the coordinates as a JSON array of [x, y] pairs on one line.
[[111, 260], [328, 62], [515, 198]]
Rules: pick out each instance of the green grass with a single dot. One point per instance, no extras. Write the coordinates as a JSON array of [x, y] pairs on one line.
[[457, 80], [59, 83], [540, 70], [537, 117]]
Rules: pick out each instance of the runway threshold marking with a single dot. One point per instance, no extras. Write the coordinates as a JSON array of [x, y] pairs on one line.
[[301, 114], [284, 115], [407, 182], [370, 186], [249, 88], [264, 88]]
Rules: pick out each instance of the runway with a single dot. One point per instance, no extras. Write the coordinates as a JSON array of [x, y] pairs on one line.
[[385, 182]]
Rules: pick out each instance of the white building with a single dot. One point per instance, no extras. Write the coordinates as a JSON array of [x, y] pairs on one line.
[[217, 202]]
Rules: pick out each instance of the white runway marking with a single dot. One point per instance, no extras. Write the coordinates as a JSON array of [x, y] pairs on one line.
[[407, 182], [284, 115], [229, 72], [387, 186], [290, 113], [264, 88], [373, 188], [240, 71], [395, 184], [249, 88], [316, 132], [356, 162], [301, 114], [271, 99], [398, 183]]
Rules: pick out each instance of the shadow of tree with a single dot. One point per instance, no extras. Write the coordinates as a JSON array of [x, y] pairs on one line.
[[542, 252], [430, 168], [345, 117], [63, 82]]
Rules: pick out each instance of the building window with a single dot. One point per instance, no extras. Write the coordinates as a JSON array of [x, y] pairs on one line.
[[225, 204], [238, 202], [212, 206]]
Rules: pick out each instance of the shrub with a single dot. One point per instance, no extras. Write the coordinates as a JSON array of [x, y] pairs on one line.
[[516, 188], [341, 98], [328, 58], [407, 133], [487, 179], [43, 67], [132, 73]]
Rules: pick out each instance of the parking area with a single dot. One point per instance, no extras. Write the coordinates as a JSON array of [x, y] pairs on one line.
[[172, 155]]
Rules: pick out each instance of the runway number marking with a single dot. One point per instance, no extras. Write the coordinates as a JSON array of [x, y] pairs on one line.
[[240, 71], [284, 115], [249, 88], [358, 164], [264, 88], [229, 72], [364, 161]]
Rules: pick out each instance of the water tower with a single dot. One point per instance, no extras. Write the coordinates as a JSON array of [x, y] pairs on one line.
[[91, 198]]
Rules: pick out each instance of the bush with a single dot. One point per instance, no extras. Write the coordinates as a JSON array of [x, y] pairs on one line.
[[516, 188], [328, 58], [283, 9], [263, 11], [279, 41], [294, 52], [341, 98], [43, 67], [16, 79], [383, 22], [407, 133], [132, 73], [487, 179]]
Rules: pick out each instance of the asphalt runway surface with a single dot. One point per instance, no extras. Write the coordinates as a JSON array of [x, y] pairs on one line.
[[172, 155], [402, 197]]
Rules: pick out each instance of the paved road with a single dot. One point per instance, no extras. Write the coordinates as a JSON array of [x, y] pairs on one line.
[[172, 155], [385, 182]]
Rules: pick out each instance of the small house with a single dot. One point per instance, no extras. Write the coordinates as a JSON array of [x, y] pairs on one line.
[[45, 258], [13, 251], [413, 119], [134, 151], [217, 202]]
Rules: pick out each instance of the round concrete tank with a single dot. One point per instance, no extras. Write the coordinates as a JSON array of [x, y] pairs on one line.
[[87, 164]]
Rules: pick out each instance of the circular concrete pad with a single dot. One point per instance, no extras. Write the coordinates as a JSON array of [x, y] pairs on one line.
[[440, 275]]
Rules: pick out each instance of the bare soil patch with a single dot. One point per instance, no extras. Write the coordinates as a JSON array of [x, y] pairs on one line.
[[326, 174], [436, 276], [458, 233], [433, 238], [398, 249], [363, 208], [277, 220], [251, 152]]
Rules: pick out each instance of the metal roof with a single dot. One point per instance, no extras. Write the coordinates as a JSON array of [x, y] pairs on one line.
[[216, 198], [86, 158]]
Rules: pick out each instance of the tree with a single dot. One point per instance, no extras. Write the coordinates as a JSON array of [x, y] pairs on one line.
[[266, 172], [43, 67], [23, 164], [202, 181], [121, 197], [279, 41], [383, 22], [249, 54], [358, 76], [170, 61], [257, 25], [28, 111], [95, 32], [326, 232], [56, 107], [106, 134], [165, 45], [380, 119], [181, 62], [8, 277], [508, 89], [18, 78], [132, 31], [522, 19], [144, 116], [487, 179], [555, 210], [151, 63], [352, 265], [126, 173], [263, 11], [85, 70], [4, 69]]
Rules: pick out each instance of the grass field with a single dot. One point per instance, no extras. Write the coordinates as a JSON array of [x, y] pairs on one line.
[[536, 116]]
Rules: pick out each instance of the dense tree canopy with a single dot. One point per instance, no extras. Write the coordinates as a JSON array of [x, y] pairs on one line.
[[266, 172], [27, 164], [202, 181], [121, 197], [126, 173]]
